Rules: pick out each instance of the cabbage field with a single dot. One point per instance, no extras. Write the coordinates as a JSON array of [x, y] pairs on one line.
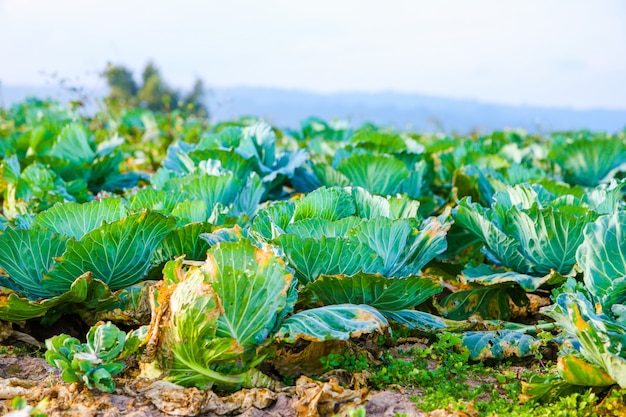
[[158, 264]]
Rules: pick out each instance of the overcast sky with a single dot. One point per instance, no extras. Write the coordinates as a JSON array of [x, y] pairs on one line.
[[538, 52]]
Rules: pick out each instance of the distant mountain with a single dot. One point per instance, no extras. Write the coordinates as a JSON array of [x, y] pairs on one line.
[[287, 108], [419, 112]]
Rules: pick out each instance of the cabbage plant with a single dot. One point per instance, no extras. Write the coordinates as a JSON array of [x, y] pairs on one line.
[[592, 314], [382, 163], [242, 151], [46, 167], [531, 235], [589, 159], [206, 192], [319, 136], [349, 246], [212, 320], [220, 180], [97, 361], [528, 229], [76, 254]]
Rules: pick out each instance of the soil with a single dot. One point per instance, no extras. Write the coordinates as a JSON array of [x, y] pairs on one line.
[[33, 379]]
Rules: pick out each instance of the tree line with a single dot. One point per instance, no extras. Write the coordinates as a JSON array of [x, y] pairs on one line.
[[152, 92]]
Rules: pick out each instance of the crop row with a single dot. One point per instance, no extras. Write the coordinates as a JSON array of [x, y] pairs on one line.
[[219, 241]]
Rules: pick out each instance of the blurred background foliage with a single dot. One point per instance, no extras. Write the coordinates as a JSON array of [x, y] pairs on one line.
[[152, 92]]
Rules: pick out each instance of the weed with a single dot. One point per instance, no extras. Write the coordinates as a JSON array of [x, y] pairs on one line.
[[345, 360], [443, 377]]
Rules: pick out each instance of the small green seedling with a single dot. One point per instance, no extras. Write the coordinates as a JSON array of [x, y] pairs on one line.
[[97, 361]]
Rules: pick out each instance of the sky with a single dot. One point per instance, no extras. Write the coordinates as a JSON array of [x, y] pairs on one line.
[[554, 53]]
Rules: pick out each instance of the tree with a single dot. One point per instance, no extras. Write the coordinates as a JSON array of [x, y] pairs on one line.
[[196, 97], [153, 93], [121, 82]]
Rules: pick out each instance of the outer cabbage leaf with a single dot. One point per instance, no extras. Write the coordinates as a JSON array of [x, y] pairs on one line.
[[405, 250], [26, 256], [330, 256], [258, 142], [304, 180], [190, 211], [546, 388], [73, 145], [154, 200], [230, 234], [499, 344], [606, 198], [177, 159], [324, 203], [105, 174], [549, 237], [251, 194], [379, 174], [385, 142], [329, 176], [318, 228], [370, 206], [372, 289], [390, 240], [231, 161], [417, 183], [314, 127], [119, 254], [403, 207], [76, 220], [211, 189], [286, 165], [392, 297], [241, 151], [522, 197], [38, 188], [273, 220], [84, 293], [254, 286], [422, 321], [222, 193], [504, 248], [577, 371], [602, 257], [487, 275], [490, 302], [588, 161], [74, 157], [185, 241], [336, 322], [600, 338]]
